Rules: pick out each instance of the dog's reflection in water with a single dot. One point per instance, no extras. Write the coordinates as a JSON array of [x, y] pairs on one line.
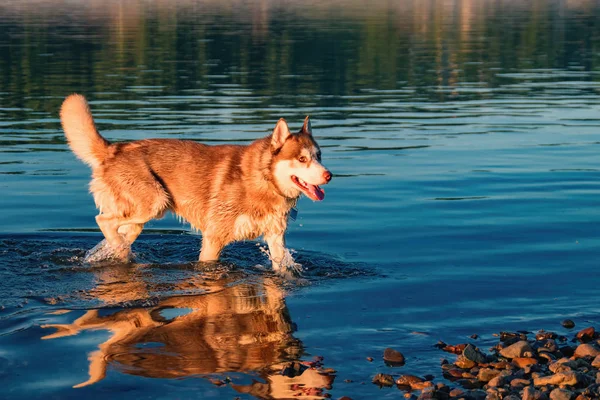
[[232, 327]]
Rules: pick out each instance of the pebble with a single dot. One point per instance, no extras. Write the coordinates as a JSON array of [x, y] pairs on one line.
[[472, 353], [383, 380], [514, 369], [519, 383], [393, 357], [487, 374], [561, 394], [498, 380], [561, 378], [523, 362], [587, 334], [585, 350], [549, 357], [408, 380], [464, 363], [567, 323], [518, 349], [530, 393]]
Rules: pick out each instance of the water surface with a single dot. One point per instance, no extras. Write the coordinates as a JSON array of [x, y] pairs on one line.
[[463, 137]]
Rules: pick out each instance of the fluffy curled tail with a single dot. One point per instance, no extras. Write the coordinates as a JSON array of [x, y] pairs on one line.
[[84, 139]]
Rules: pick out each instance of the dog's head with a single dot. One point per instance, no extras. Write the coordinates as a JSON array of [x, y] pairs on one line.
[[296, 162]]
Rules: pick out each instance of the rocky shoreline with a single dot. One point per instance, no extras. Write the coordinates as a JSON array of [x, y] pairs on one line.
[[521, 366]]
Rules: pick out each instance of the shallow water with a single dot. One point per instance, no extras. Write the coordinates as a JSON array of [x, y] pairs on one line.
[[463, 137]]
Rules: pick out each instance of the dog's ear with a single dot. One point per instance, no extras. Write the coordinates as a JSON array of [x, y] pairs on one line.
[[307, 128], [280, 134]]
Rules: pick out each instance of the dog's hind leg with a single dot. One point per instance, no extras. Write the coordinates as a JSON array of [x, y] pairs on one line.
[[104, 249], [128, 195], [109, 225]]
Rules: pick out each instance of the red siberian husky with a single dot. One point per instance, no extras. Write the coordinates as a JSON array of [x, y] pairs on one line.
[[227, 192]]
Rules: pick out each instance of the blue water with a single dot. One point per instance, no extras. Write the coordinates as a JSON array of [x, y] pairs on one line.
[[463, 137]]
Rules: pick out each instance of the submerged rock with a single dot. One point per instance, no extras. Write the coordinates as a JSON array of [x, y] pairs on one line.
[[567, 323], [383, 380], [393, 357]]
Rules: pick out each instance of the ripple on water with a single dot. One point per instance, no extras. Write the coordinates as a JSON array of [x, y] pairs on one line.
[[53, 269]]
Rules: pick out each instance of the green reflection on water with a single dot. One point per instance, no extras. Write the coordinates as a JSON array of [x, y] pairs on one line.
[[286, 54]]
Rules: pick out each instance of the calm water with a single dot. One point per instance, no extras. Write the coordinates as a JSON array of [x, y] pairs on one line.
[[463, 135]]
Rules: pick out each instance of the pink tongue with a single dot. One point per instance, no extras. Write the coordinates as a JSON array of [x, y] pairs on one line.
[[315, 192]]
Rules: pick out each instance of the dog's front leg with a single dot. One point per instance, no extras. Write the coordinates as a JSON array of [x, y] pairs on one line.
[[211, 249], [276, 244]]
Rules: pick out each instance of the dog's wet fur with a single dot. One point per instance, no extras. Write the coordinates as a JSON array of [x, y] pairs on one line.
[[228, 192]]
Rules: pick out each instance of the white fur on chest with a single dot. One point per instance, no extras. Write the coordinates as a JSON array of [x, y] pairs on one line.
[[250, 227]]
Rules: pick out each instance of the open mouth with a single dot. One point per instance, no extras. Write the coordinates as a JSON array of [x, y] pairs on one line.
[[313, 192]]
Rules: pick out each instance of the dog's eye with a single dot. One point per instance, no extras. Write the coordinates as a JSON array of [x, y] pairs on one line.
[[302, 159]]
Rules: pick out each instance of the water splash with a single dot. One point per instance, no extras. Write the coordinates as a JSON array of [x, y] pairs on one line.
[[288, 266], [104, 252]]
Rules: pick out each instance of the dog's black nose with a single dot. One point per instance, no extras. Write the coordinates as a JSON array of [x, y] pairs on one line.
[[327, 176]]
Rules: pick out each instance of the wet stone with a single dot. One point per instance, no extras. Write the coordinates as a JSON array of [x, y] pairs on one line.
[[453, 373], [393, 357], [501, 365], [383, 380], [561, 394], [518, 349], [433, 394], [587, 334], [487, 374], [567, 323], [409, 380], [543, 335], [519, 383], [548, 345], [560, 378], [493, 396], [464, 363], [499, 380], [586, 350], [512, 337], [530, 393], [546, 358], [472, 353], [523, 362]]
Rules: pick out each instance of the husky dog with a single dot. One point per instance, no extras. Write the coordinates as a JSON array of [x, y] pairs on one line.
[[228, 192]]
